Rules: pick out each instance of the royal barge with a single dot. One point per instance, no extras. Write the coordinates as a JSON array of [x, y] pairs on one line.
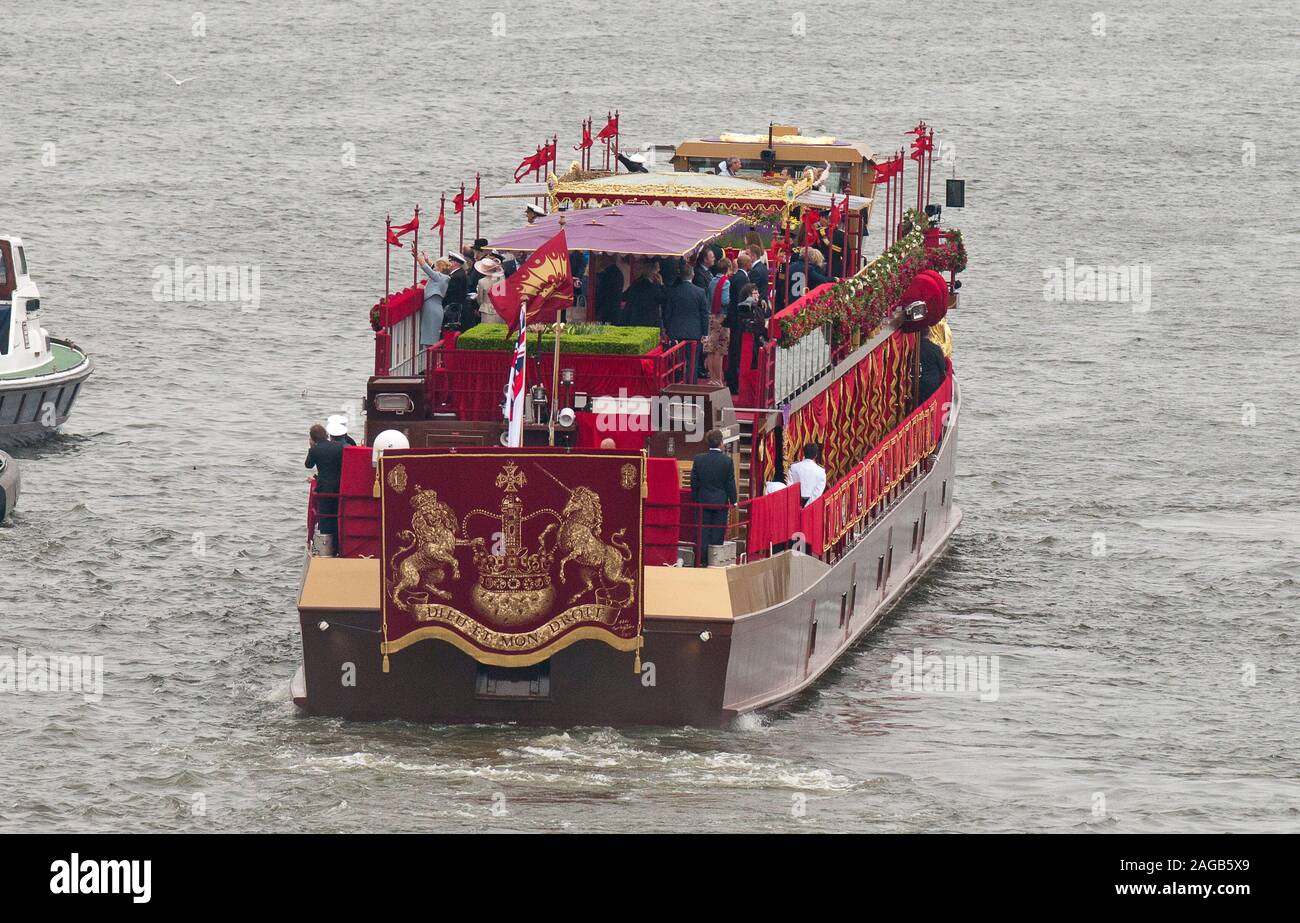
[[554, 572]]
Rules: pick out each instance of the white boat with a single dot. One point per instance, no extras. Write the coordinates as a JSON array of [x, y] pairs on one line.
[[40, 376]]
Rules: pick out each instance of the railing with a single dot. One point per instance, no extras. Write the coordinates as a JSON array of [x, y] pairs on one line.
[[397, 337]]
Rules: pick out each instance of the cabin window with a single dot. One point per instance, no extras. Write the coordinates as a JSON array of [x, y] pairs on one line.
[[844, 607], [6, 310], [22, 262], [514, 682], [880, 571]]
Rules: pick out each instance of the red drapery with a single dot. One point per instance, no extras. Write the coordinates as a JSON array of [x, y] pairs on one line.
[[662, 511], [773, 519]]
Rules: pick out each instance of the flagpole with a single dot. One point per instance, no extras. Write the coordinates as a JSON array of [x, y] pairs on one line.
[[415, 251], [476, 205], [616, 130], [558, 328], [462, 216], [442, 223], [388, 225]]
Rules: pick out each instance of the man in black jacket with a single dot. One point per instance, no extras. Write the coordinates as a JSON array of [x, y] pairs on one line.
[[609, 293], [686, 318], [758, 270], [327, 458], [713, 482], [455, 303], [703, 269], [643, 302], [934, 367]]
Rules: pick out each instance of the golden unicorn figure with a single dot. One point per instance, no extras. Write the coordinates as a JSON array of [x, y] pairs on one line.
[[430, 549], [577, 540]]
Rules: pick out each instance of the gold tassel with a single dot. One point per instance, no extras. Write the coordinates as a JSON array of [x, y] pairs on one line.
[[385, 663], [636, 661], [378, 491]]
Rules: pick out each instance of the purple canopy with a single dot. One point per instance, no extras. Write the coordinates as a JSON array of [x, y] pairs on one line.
[[640, 230]]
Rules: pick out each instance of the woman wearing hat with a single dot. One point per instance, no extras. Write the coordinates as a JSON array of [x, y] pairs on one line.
[[490, 276]]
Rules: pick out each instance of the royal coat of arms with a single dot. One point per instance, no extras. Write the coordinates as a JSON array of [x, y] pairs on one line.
[[511, 554]]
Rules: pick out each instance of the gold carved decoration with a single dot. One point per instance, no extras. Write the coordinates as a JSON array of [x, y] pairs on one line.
[[397, 479]]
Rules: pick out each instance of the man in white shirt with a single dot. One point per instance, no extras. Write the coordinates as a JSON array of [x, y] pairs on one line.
[[810, 476]]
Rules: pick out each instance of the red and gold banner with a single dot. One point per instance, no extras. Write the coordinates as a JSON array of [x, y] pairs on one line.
[[511, 554]]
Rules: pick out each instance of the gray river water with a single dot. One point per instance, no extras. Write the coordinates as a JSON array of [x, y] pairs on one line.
[[1127, 470]]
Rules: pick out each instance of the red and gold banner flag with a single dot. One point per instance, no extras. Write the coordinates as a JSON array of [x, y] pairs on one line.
[[544, 280], [531, 551]]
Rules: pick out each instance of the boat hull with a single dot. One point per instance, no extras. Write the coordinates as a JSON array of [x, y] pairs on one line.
[[702, 671], [33, 407]]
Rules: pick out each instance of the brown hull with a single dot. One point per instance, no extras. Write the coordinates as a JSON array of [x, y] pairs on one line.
[[705, 670]]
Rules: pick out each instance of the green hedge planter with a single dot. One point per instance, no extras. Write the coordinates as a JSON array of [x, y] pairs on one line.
[[592, 339]]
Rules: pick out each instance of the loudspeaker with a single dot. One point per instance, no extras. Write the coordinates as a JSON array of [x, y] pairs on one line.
[[956, 193]]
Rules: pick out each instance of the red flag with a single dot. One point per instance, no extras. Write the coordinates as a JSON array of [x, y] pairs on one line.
[[610, 129], [586, 141], [394, 233], [837, 210], [544, 280], [442, 218], [920, 146], [459, 201], [528, 165], [810, 218], [473, 199], [548, 153]]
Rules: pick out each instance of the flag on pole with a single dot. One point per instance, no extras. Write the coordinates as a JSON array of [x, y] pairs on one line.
[[442, 217], [544, 283], [395, 232], [514, 409], [610, 129], [459, 201], [473, 199]]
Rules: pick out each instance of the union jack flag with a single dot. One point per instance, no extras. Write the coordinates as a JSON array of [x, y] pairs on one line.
[[515, 385]]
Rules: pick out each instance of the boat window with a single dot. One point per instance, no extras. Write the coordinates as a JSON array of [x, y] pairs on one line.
[[6, 310], [514, 682], [22, 262]]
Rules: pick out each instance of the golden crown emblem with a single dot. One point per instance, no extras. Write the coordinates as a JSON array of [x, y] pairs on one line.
[[514, 582]]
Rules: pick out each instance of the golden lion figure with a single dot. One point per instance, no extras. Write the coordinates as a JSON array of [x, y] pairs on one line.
[[577, 540], [430, 547]]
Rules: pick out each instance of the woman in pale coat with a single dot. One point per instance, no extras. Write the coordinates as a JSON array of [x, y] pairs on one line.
[[431, 311], [492, 275]]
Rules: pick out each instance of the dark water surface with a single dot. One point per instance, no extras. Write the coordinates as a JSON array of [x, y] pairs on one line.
[[1122, 704]]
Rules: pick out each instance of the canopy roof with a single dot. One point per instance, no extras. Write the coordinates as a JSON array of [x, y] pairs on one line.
[[697, 190], [639, 230]]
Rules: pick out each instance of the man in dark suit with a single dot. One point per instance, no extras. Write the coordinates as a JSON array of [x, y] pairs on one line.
[[736, 316], [713, 482], [758, 270], [703, 270], [326, 457], [643, 302], [686, 318], [609, 293], [455, 303]]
